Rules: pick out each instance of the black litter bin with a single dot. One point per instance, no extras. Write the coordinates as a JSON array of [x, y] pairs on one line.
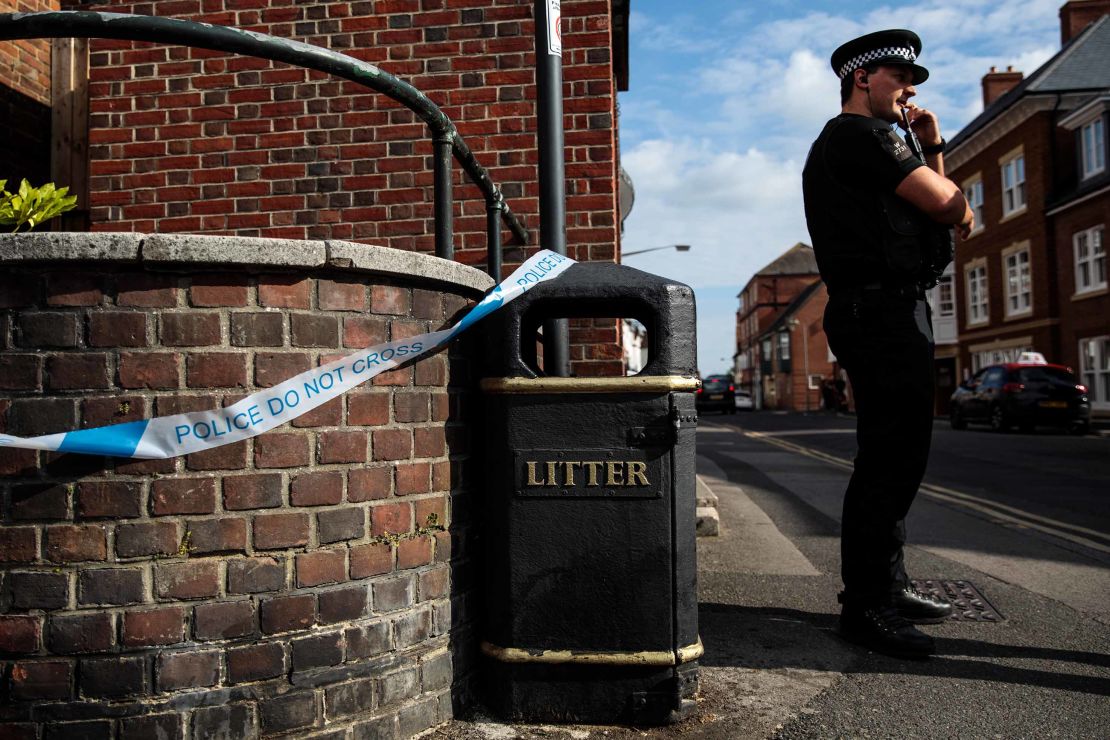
[[590, 602]]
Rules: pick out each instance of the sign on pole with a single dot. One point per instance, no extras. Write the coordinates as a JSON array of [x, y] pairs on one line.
[[554, 35]]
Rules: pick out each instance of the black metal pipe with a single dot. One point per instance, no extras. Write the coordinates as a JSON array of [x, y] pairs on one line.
[[441, 197], [493, 239], [90, 24], [552, 168]]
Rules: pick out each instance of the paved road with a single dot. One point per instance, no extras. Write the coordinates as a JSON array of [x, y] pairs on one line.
[[1052, 477], [1044, 494]]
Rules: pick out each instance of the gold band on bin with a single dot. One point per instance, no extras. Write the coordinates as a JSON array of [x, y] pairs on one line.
[[596, 657], [631, 384]]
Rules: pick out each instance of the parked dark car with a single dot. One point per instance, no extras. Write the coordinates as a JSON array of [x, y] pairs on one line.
[[717, 393], [1023, 395]]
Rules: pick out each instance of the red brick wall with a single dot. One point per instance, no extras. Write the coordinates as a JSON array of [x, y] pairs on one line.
[[24, 102], [188, 140], [25, 64], [810, 317], [1035, 135], [1087, 315], [765, 297], [301, 572]]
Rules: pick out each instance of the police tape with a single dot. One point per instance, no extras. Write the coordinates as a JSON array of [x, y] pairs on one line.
[[181, 434]]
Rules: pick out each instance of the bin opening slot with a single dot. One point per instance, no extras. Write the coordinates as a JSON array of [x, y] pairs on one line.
[[624, 340]]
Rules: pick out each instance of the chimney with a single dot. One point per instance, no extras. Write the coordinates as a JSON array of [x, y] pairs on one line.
[[1075, 15], [996, 84]]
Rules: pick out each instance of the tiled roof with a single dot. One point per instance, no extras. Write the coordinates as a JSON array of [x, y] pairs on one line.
[[795, 305], [1081, 65], [798, 260]]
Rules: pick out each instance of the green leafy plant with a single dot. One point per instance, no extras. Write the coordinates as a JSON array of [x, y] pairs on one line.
[[33, 206]]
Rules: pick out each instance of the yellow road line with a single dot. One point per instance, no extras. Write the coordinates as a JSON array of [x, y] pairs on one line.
[[996, 511]]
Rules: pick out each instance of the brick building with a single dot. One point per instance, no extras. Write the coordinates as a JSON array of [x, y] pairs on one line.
[[1032, 276], [188, 140], [793, 354], [764, 301]]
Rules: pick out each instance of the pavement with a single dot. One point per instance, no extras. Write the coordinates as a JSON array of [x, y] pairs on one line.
[[774, 666]]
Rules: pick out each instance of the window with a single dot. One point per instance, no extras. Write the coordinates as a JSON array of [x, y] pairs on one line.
[[1090, 260], [998, 356], [1019, 296], [1094, 363], [1092, 144], [973, 191], [1013, 185], [946, 299], [977, 304], [784, 353]]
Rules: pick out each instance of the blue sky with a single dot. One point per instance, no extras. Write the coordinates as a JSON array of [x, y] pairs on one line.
[[725, 98]]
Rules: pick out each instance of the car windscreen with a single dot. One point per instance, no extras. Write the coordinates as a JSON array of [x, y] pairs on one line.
[[715, 384]]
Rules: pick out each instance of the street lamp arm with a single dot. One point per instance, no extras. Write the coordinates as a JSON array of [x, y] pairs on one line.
[[679, 247]]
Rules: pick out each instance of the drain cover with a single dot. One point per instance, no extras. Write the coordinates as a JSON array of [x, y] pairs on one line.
[[970, 605]]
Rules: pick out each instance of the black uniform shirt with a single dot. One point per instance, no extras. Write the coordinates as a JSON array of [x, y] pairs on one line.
[[854, 160]]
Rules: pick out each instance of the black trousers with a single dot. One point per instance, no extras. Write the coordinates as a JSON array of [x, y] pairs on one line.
[[885, 343]]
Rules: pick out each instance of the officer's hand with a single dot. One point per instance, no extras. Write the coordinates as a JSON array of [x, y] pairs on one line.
[[964, 228], [924, 123]]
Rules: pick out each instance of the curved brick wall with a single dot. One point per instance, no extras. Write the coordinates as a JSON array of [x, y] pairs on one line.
[[295, 582]]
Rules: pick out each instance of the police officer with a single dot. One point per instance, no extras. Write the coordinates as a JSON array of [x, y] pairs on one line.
[[879, 219]]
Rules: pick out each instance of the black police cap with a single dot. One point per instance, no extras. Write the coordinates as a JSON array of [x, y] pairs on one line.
[[896, 46]]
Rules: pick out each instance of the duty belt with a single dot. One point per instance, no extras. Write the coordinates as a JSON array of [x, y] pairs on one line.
[[894, 291]]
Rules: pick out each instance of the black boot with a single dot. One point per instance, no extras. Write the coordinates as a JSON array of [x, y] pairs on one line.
[[884, 630], [920, 608]]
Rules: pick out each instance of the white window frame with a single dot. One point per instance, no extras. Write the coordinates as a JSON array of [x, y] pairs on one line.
[[1089, 250], [986, 358], [978, 293], [1092, 145], [1094, 369], [973, 191], [946, 297], [1018, 285], [784, 346], [1012, 171]]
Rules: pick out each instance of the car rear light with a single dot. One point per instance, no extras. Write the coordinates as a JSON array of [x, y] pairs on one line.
[[1081, 388], [732, 388], [699, 390], [1013, 387]]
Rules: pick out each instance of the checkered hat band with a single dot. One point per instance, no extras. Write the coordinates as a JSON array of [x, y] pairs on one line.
[[870, 56]]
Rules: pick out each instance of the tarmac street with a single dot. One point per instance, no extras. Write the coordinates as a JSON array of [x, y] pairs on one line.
[[1022, 517]]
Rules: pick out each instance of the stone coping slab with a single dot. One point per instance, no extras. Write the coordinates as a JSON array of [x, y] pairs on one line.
[[240, 251]]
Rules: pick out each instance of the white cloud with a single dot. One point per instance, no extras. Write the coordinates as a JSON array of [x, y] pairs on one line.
[[735, 208]]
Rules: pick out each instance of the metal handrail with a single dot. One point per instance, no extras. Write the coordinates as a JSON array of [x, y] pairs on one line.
[[446, 138]]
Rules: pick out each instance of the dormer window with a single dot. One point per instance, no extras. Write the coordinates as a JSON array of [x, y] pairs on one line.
[[1089, 124], [1092, 145]]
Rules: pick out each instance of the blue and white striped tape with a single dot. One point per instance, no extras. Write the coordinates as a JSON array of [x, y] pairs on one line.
[[182, 434]]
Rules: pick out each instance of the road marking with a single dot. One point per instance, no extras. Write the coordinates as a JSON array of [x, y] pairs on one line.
[[994, 510], [807, 432]]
